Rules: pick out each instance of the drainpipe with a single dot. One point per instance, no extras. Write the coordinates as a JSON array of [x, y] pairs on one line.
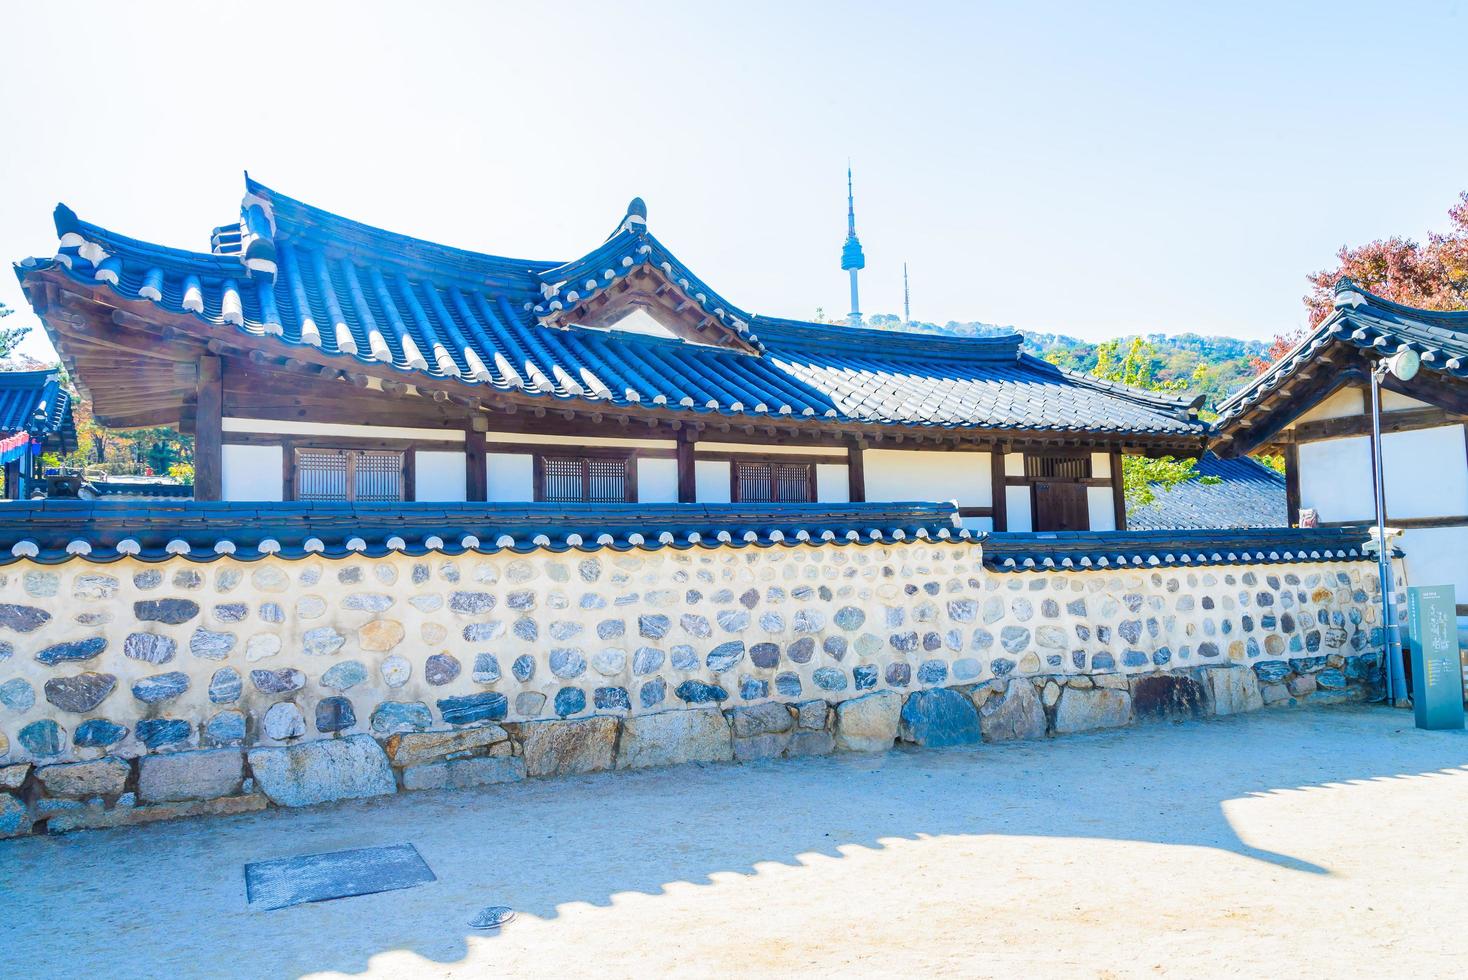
[[1394, 677]]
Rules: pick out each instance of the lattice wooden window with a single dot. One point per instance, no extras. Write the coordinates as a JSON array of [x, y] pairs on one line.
[[584, 479], [772, 482], [348, 474], [1039, 467]]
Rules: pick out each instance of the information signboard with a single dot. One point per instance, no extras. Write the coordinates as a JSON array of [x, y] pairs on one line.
[[1437, 671]]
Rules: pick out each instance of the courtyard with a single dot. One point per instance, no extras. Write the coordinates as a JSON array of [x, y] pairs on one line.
[[1287, 843]]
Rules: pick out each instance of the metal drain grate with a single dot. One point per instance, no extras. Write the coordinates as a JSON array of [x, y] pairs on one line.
[[338, 874]]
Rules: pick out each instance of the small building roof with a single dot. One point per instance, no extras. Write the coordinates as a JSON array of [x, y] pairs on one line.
[[1337, 352], [1246, 494], [291, 277], [36, 402]]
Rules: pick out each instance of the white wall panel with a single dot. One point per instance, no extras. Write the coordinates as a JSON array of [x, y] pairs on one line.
[[657, 481], [1346, 401], [1437, 556], [1426, 473], [711, 481], [1017, 507], [1392, 401], [528, 438], [511, 476], [279, 427], [915, 474], [253, 472], [833, 486], [1335, 479], [755, 449], [439, 475], [1101, 508]]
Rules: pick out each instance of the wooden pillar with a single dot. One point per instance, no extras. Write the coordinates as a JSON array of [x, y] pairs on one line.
[[856, 473], [997, 484], [209, 431], [1118, 491], [476, 477], [1292, 482], [687, 473]]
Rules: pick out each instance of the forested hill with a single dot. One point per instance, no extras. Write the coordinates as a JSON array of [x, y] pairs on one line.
[[1226, 361]]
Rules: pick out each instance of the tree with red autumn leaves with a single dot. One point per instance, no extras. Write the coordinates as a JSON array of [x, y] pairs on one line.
[[1431, 275]]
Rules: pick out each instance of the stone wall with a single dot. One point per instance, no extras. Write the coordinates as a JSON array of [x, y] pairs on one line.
[[134, 691]]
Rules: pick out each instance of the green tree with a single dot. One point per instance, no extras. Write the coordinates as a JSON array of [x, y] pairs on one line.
[[10, 337], [1134, 362]]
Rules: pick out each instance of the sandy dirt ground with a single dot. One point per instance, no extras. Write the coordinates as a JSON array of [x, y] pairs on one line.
[[1326, 842]]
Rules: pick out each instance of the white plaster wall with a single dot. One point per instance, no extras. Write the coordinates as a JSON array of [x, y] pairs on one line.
[[657, 481], [439, 475], [253, 472], [833, 486], [1335, 479], [1437, 556], [978, 523], [1014, 464], [553, 440], [1347, 401], [1101, 467], [1101, 508], [511, 476], [711, 481], [1426, 473], [1017, 507], [279, 427], [915, 474], [755, 450], [1392, 401]]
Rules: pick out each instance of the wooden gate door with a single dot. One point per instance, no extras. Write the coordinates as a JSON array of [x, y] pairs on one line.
[[1060, 506]]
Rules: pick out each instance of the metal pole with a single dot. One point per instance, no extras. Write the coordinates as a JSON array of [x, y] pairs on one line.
[[1391, 671]]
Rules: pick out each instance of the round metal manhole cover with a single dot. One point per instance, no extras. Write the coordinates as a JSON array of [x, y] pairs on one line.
[[492, 917]]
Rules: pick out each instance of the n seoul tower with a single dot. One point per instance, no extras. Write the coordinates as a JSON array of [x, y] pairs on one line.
[[851, 258]]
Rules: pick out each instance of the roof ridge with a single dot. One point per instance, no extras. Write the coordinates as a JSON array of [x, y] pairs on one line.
[[841, 334], [369, 233], [1346, 286], [1144, 395]]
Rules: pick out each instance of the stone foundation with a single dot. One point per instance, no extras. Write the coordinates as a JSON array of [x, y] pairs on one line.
[[132, 692]]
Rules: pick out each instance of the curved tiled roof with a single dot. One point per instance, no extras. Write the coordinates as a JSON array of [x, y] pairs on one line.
[[36, 401], [1369, 323], [1079, 550], [55, 531], [439, 314], [1246, 494]]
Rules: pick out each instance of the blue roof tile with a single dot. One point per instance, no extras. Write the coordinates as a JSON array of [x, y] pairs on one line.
[[36, 402], [1248, 494]]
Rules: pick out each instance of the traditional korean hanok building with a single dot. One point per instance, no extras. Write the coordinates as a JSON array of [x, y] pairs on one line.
[[35, 418], [1314, 406], [317, 358]]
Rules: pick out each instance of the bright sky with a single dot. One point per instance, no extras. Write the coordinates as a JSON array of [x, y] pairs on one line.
[[1056, 166]]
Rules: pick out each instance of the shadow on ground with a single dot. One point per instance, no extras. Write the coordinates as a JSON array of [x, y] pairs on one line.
[[169, 899]]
